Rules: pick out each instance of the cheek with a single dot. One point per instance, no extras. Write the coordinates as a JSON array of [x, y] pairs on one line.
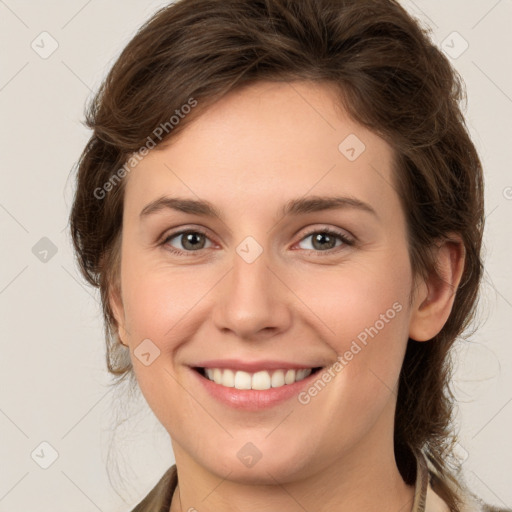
[[349, 301], [363, 312], [156, 296]]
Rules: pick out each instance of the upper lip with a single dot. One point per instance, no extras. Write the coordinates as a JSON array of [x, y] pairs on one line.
[[253, 366]]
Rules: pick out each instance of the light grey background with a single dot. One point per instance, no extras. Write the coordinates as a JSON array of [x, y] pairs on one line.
[[54, 384]]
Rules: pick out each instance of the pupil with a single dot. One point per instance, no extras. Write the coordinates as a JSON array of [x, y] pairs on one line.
[[320, 236], [189, 238]]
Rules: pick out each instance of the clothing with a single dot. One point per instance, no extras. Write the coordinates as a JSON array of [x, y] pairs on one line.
[[425, 499]]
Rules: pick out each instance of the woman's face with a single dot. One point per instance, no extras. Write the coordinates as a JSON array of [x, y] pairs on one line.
[[263, 291]]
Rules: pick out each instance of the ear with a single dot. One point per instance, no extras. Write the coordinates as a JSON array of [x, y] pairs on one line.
[[116, 304], [435, 295]]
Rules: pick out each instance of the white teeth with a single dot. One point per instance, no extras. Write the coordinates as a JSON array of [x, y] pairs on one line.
[[242, 380], [278, 379], [228, 378], [217, 376], [300, 374], [289, 378], [261, 380]]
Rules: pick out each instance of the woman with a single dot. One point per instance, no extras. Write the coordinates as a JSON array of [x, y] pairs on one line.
[[283, 210]]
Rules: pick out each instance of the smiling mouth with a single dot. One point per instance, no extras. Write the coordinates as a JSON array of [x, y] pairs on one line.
[[261, 380]]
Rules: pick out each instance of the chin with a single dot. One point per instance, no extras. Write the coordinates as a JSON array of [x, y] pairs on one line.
[[264, 471]]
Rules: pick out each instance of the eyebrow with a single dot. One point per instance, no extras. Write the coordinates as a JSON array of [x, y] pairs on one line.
[[294, 207]]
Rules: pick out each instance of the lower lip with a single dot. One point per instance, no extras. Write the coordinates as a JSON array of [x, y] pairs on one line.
[[253, 399]]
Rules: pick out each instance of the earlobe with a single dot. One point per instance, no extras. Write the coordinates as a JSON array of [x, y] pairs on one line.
[[434, 300]]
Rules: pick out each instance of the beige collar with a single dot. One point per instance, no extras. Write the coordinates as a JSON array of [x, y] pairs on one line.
[[425, 499]]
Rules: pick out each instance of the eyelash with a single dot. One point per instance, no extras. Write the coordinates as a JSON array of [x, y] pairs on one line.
[[331, 232]]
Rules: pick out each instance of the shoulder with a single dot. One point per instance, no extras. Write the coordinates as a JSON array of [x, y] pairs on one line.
[[469, 501], [473, 504], [434, 503], [432, 490], [159, 498]]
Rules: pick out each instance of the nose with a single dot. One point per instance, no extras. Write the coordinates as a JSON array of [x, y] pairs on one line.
[[253, 301]]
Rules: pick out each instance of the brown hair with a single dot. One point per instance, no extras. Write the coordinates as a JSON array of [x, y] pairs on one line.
[[390, 78]]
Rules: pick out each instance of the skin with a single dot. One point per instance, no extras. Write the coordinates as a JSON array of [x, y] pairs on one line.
[[248, 154]]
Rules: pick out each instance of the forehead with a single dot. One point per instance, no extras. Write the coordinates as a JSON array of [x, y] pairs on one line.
[[270, 141]]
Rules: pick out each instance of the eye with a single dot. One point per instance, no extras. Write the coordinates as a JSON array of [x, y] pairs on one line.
[[324, 240], [190, 240], [194, 240]]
